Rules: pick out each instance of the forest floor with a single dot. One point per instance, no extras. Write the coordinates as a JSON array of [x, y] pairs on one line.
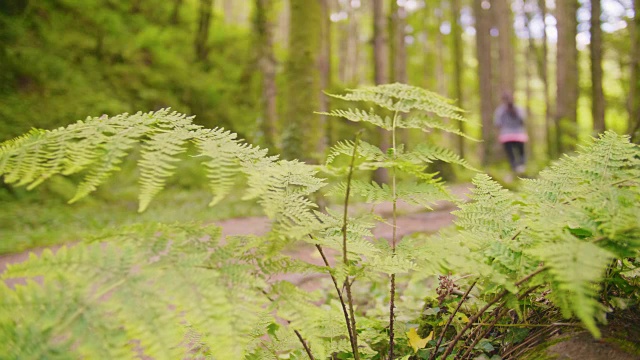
[[410, 219]]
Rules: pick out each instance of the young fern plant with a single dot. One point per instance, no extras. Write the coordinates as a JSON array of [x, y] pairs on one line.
[[411, 108]]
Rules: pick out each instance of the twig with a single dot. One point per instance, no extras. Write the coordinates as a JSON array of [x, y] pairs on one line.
[[498, 314], [444, 330], [475, 317]]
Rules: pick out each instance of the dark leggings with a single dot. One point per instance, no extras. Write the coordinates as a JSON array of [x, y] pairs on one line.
[[515, 153]]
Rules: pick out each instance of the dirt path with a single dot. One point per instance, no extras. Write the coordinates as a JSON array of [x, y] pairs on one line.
[[412, 219]]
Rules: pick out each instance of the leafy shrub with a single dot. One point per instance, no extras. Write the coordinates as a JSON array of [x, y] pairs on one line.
[[170, 291]]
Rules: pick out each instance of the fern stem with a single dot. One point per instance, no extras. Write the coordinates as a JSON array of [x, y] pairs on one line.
[[475, 317], [304, 343], [444, 330], [345, 218], [392, 291], [531, 325], [342, 302]]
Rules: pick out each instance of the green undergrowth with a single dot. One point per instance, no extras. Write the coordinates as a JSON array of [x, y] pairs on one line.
[[565, 248]]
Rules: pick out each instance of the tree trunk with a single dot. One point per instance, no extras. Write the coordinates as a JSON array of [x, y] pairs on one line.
[[397, 48], [634, 79], [506, 59], [202, 35], [543, 66], [567, 76], [457, 65], [529, 51], [175, 13], [303, 130], [483, 49], [381, 176], [597, 94], [267, 66], [324, 66]]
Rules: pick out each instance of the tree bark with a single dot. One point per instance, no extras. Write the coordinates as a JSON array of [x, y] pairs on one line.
[[267, 67], [483, 49], [506, 58], [456, 32], [397, 48], [381, 176], [175, 13], [202, 34], [634, 79], [597, 94], [324, 65], [567, 76], [303, 132], [543, 66]]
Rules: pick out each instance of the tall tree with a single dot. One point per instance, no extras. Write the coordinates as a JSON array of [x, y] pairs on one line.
[[506, 59], [380, 74], [483, 50], [634, 88], [349, 46], [397, 45], [175, 12], [326, 76], [301, 138], [595, 50], [458, 58], [202, 34], [267, 66], [543, 69], [567, 75]]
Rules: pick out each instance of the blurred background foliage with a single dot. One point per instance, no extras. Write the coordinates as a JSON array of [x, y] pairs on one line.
[[259, 67]]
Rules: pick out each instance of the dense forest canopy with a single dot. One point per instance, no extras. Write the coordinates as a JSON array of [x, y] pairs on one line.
[[237, 63]]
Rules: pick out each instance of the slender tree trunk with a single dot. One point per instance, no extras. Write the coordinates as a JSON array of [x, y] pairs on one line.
[[202, 34], [457, 55], [543, 66], [567, 75], [325, 68], [529, 51], [303, 129], [597, 94], [398, 53], [381, 176], [175, 13], [506, 58], [634, 79], [483, 49], [397, 48], [267, 66]]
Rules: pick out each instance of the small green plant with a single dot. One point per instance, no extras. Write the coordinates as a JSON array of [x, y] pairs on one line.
[[514, 260]]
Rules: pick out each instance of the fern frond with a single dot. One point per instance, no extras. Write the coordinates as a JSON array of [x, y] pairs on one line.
[[427, 123], [357, 115], [575, 267], [156, 163], [404, 98], [142, 286], [424, 153], [370, 153]]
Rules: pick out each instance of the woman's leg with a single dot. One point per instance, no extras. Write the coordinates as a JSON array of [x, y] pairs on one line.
[[509, 148], [520, 162]]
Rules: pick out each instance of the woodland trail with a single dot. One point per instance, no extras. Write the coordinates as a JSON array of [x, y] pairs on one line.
[[410, 219]]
